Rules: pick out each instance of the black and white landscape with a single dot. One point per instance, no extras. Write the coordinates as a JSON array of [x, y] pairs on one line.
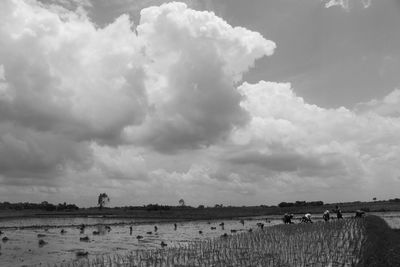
[[213, 102]]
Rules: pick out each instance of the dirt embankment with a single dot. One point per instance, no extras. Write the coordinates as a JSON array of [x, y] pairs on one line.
[[382, 246]]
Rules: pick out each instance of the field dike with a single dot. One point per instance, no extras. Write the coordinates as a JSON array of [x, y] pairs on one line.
[[350, 242], [382, 244]]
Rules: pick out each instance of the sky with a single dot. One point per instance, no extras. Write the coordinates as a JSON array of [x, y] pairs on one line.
[[217, 102]]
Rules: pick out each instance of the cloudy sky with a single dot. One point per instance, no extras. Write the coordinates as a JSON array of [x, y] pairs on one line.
[[213, 101]]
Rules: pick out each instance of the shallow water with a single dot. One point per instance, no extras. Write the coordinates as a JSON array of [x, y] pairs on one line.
[[40, 222], [23, 249]]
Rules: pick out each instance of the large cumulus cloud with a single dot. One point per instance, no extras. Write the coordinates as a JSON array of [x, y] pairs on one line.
[[335, 148], [63, 84], [68, 87], [197, 58], [57, 73]]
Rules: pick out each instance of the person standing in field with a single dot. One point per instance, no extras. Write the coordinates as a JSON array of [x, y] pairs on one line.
[[326, 215], [338, 212], [287, 218]]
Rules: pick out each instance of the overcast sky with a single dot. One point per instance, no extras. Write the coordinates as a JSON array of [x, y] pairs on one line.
[[213, 101]]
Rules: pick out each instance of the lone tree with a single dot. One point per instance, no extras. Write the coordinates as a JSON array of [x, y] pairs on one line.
[[103, 200], [182, 202]]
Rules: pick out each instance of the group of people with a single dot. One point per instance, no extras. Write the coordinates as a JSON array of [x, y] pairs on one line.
[[287, 218], [326, 216]]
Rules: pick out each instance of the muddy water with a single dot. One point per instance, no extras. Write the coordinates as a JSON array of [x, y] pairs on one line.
[[23, 248]]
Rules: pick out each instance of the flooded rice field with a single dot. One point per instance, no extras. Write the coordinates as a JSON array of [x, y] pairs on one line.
[[106, 236], [47, 241]]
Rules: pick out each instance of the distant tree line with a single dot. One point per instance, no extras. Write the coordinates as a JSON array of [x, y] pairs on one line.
[[151, 207], [155, 207], [38, 206], [300, 204]]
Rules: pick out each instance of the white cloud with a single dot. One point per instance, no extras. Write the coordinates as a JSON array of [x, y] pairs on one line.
[[388, 106], [63, 84], [345, 4], [64, 79], [197, 58], [287, 135], [342, 3], [366, 3], [119, 163], [57, 68]]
